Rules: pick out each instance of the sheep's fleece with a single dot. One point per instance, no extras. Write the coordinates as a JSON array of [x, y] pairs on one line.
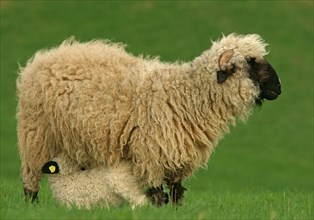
[[99, 105], [103, 186]]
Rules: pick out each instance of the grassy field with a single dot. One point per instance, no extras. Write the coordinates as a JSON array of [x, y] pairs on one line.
[[210, 205], [261, 170]]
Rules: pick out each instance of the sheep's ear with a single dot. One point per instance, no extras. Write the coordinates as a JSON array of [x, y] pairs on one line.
[[226, 68], [51, 167], [224, 59]]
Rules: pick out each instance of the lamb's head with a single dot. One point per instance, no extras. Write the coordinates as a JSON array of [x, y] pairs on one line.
[[61, 166], [239, 57]]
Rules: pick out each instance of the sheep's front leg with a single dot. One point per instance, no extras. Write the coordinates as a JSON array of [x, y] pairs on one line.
[[157, 195], [176, 192]]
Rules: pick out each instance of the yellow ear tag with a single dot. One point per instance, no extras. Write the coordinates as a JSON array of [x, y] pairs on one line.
[[52, 169]]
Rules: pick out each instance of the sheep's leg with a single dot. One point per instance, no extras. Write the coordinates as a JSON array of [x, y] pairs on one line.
[[157, 195], [176, 192], [30, 186], [33, 158], [31, 175], [36, 148]]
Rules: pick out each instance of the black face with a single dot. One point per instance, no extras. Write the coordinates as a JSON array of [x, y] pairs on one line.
[[264, 75], [51, 167]]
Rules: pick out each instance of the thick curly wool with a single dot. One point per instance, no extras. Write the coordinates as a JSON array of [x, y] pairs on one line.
[[102, 186], [99, 104]]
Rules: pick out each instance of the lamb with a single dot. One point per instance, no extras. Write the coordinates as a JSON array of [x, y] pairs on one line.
[[100, 105], [104, 186]]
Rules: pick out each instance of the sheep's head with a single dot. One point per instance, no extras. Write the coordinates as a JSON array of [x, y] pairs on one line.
[[245, 53]]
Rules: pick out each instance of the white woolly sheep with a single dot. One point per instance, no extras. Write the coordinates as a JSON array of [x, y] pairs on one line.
[[99, 104], [104, 186]]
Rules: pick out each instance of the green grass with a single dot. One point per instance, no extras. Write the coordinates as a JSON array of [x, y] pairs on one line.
[[215, 205], [261, 170]]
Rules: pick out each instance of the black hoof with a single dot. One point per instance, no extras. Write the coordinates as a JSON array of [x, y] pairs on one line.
[[176, 193], [157, 196], [31, 195]]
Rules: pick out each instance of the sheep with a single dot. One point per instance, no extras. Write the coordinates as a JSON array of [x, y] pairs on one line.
[[72, 185], [99, 105]]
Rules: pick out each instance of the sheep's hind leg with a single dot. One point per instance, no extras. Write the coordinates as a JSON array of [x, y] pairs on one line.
[[176, 192], [36, 148], [157, 196], [31, 174], [31, 195]]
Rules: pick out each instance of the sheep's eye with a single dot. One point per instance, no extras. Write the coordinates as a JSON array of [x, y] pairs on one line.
[[251, 61]]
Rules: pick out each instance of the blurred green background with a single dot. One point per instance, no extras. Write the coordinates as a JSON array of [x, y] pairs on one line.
[[272, 151]]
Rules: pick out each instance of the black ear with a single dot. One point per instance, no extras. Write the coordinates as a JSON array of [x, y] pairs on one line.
[[51, 167], [222, 76]]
